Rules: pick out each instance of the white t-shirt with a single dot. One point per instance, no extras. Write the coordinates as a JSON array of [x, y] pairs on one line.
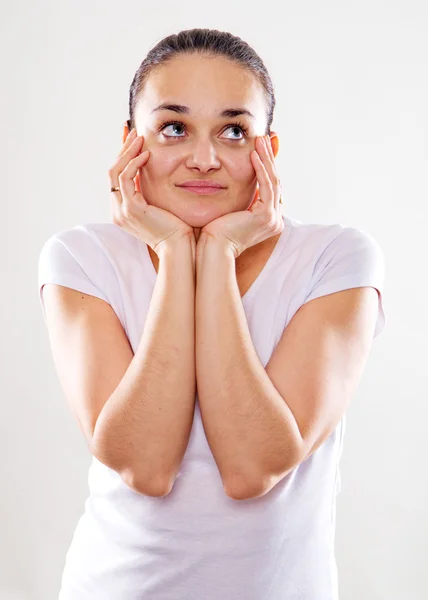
[[196, 543]]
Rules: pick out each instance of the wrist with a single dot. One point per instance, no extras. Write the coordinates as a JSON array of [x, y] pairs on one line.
[[212, 253], [172, 244], [214, 244]]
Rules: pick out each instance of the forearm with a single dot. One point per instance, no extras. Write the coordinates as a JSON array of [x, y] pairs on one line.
[[246, 421], [144, 427]]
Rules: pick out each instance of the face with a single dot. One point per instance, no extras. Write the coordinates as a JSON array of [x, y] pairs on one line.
[[202, 144]]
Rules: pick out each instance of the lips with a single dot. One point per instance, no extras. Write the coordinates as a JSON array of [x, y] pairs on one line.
[[206, 183]]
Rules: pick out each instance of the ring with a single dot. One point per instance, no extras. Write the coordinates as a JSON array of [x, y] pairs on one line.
[[281, 200]]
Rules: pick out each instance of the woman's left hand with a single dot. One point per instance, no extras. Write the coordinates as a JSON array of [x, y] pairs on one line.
[[262, 220]]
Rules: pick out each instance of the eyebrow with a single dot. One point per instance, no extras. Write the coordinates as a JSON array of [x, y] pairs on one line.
[[179, 108]]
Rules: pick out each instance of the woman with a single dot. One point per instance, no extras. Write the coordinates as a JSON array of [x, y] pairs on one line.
[[208, 347]]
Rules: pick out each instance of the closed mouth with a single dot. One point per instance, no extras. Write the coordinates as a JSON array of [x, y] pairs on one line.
[[201, 184]]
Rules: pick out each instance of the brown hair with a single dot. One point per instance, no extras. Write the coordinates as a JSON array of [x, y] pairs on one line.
[[210, 42]]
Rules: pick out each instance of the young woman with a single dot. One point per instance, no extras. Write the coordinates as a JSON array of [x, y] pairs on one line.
[[208, 347]]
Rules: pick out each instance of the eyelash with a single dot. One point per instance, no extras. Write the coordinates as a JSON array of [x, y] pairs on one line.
[[241, 126]]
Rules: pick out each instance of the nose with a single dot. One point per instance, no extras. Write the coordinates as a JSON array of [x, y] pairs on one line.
[[202, 156]]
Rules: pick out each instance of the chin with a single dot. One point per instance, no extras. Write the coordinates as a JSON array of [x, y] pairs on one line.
[[197, 222], [199, 218]]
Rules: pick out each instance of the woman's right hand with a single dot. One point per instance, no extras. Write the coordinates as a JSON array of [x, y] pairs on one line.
[[129, 209]]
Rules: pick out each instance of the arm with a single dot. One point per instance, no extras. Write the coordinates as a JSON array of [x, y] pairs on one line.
[[144, 427], [262, 423], [246, 421]]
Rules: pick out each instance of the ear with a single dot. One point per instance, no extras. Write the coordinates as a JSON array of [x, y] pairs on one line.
[[274, 140], [137, 182], [126, 126]]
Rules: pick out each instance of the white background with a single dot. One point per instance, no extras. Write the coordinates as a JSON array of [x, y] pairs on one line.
[[352, 95]]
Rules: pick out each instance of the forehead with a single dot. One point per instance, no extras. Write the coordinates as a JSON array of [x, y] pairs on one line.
[[207, 85]]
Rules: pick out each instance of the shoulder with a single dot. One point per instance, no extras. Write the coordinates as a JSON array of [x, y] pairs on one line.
[[105, 242], [92, 232], [313, 241]]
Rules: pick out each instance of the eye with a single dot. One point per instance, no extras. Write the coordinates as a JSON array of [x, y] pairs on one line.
[[241, 127], [171, 124], [180, 125]]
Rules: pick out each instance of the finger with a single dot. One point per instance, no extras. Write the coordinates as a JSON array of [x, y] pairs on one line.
[[122, 160], [272, 157], [265, 184], [128, 141], [269, 148], [126, 177], [268, 160]]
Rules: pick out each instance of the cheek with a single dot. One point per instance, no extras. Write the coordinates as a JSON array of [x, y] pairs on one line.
[[160, 165], [242, 170], [163, 157]]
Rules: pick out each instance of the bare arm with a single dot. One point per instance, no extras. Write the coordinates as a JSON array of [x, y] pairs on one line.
[[143, 429], [263, 422], [248, 425]]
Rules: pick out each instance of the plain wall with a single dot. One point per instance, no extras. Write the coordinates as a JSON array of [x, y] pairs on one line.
[[352, 97]]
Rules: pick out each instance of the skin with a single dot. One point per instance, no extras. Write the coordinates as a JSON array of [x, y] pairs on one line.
[[205, 146]]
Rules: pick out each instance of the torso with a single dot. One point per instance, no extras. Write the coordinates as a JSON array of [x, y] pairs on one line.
[[248, 265]]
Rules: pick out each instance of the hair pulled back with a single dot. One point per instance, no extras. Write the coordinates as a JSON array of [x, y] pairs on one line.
[[209, 42]]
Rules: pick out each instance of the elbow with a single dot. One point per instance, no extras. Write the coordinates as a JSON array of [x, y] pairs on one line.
[[146, 487], [247, 488], [243, 487], [242, 493], [249, 491]]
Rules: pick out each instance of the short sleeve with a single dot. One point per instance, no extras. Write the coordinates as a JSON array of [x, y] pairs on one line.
[[353, 259], [58, 264]]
